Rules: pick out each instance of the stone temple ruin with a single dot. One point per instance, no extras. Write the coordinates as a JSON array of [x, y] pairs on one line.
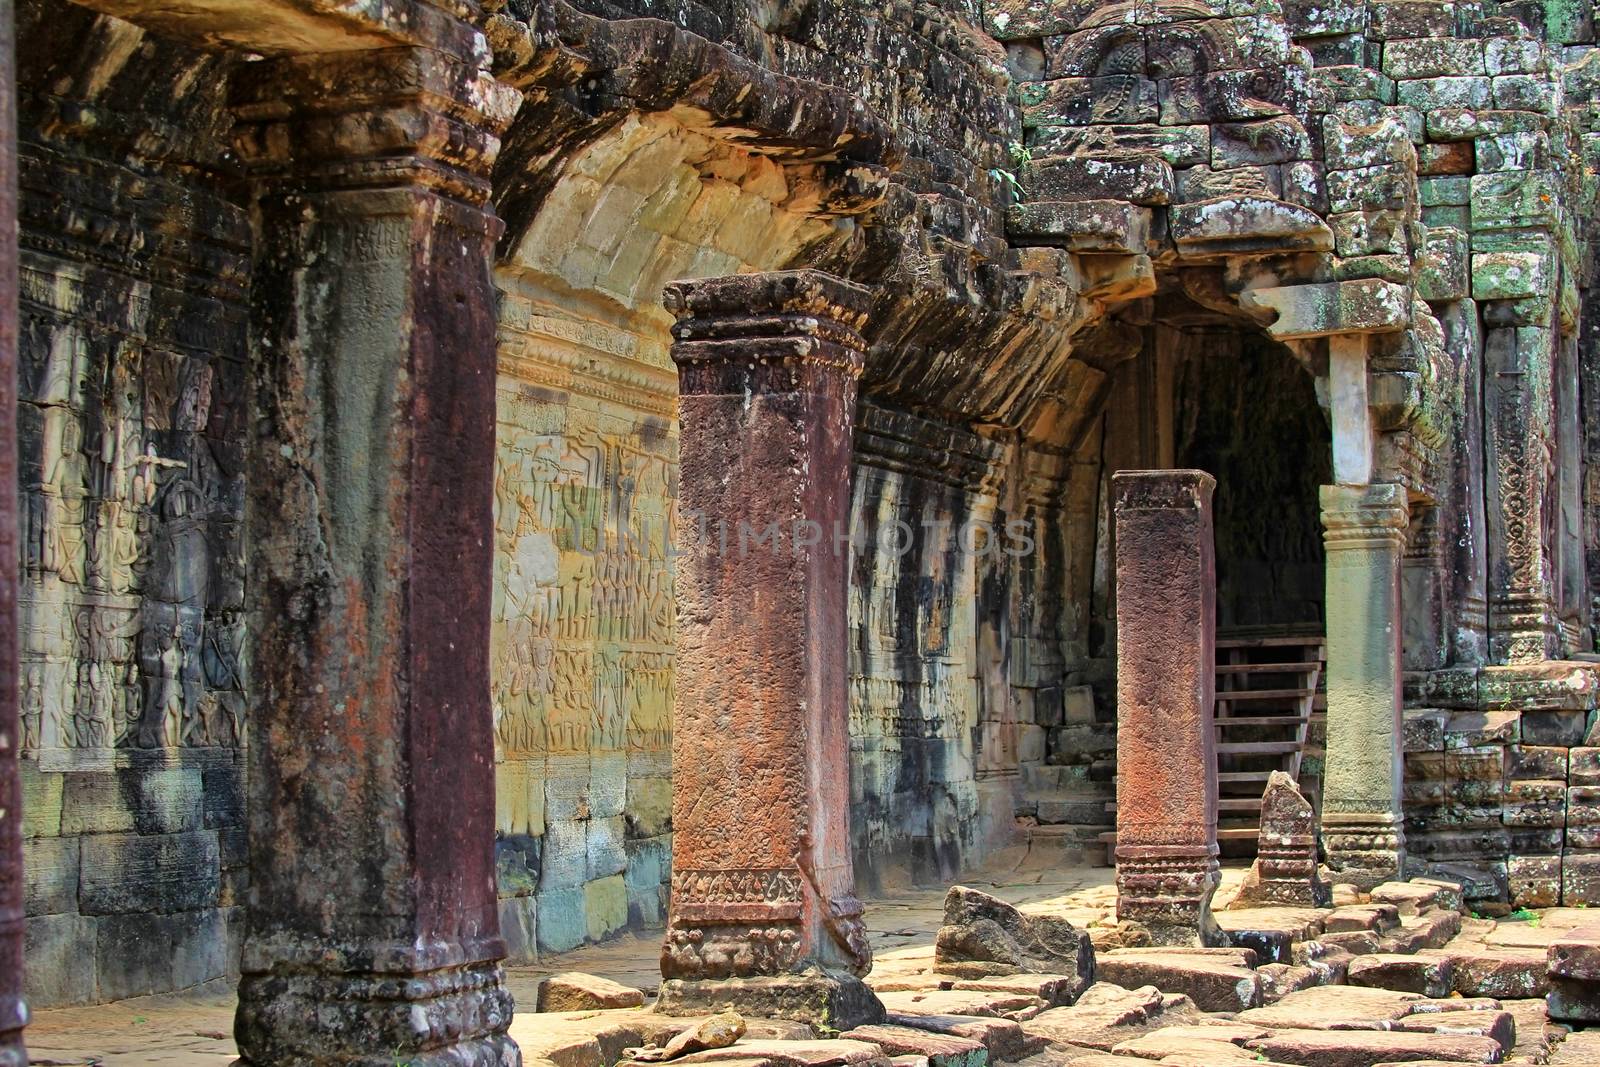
[[490, 475]]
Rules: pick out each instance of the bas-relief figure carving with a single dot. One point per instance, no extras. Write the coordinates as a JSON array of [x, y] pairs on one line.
[[126, 522]]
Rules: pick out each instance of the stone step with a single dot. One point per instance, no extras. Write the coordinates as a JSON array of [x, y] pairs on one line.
[[1268, 668], [1241, 777], [1270, 642], [1261, 720], [1257, 748], [1075, 807], [1264, 694]]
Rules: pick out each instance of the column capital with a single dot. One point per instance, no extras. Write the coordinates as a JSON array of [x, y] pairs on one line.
[[1357, 516], [378, 118], [779, 319]]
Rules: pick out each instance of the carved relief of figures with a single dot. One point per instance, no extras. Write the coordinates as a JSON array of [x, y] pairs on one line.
[[128, 520], [583, 630]]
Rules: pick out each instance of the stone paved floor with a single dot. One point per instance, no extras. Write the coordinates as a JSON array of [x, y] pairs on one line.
[[197, 1029]]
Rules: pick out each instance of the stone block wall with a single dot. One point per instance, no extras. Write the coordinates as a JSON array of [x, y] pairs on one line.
[[1500, 784], [134, 266]]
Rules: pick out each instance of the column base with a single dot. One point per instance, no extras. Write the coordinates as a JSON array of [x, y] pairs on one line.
[[1363, 850], [824, 999], [456, 1017], [1168, 889], [13, 1017]]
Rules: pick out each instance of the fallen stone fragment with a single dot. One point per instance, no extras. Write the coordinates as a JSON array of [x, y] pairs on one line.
[[1278, 980], [1355, 942], [992, 1003], [1367, 1048], [1003, 1038], [719, 1031], [983, 936], [1106, 1015], [829, 1053], [1374, 917], [939, 1050], [1334, 1008], [1215, 983], [908, 1061], [1433, 929], [1285, 867], [1531, 1023], [1431, 975], [1190, 1040], [1501, 973], [1410, 898], [576, 991], [1575, 954], [1054, 990], [1496, 1024], [1580, 1049]]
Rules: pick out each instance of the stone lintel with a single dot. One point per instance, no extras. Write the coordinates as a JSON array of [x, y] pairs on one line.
[[1166, 852], [764, 914], [1242, 225], [401, 116], [280, 27], [1364, 532], [1321, 309]]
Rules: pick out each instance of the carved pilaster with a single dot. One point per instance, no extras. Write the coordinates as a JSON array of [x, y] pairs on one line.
[[1518, 452], [373, 931], [1364, 529], [764, 912]]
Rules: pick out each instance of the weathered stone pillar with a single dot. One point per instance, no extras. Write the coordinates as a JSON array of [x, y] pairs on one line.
[[1364, 528], [373, 931], [764, 913], [13, 1011], [1166, 685]]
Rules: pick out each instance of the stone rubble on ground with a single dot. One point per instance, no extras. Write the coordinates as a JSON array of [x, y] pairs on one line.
[[1278, 995]]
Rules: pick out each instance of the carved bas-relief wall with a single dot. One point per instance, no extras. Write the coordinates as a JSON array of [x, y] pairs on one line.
[[132, 374], [586, 491]]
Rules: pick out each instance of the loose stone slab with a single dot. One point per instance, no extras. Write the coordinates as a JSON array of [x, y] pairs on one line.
[[1004, 1039], [576, 991], [1432, 976], [1334, 1008], [1215, 984], [1366, 1048], [1104, 1016], [940, 1050], [992, 1004], [829, 1053], [983, 936]]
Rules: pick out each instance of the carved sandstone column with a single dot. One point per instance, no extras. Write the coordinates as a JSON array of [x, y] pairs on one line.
[[1364, 527], [764, 913], [373, 932], [13, 1012], [1166, 850]]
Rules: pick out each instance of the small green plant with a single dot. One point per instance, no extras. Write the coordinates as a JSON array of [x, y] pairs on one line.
[[1527, 915], [1021, 154]]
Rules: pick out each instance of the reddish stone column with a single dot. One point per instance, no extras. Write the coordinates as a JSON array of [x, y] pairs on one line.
[[13, 1011], [1166, 683], [373, 932], [764, 913]]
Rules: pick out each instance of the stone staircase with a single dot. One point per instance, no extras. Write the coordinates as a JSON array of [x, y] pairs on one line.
[[1269, 693]]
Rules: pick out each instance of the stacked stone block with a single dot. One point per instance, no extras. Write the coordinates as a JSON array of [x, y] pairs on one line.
[[1508, 796]]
